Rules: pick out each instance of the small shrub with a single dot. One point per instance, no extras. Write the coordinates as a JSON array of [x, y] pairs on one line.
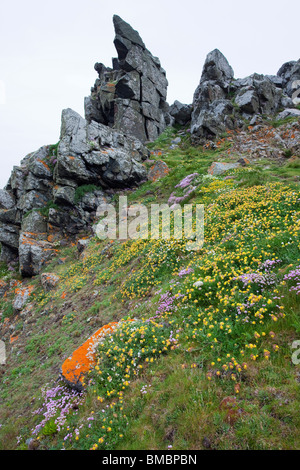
[[45, 210], [53, 150]]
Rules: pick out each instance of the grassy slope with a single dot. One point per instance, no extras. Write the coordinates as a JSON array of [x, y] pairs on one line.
[[197, 376]]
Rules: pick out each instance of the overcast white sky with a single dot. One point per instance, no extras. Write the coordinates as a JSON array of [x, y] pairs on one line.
[[48, 51]]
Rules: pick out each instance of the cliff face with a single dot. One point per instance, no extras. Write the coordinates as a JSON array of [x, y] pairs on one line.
[[131, 96]]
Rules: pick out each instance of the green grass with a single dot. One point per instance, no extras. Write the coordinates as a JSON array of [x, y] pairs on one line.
[[50, 205], [3, 270], [280, 122], [81, 191], [210, 368], [53, 149]]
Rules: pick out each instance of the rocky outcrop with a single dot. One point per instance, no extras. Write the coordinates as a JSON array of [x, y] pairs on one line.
[[9, 226], [213, 111], [96, 154], [181, 113], [288, 113], [289, 73], [257, 94], [49, 281], [222, 102], [157, 171], [55, 192], [218, 168], [131, 96], [21, 297]]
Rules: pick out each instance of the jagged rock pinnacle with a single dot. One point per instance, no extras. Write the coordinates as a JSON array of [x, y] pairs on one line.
[[130, 97], [124, 30], [217, 68]]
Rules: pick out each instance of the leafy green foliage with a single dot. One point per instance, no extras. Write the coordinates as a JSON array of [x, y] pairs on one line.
[[208, 325], [50, 205]]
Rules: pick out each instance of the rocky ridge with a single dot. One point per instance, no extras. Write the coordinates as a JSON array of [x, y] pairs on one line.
[[222, 102], [52, 197]]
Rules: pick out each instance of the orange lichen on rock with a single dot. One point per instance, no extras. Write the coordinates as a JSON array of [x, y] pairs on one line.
[[43, 163], [12, 339], [23, 291], [158, 170], [4, 287], [83, 359]]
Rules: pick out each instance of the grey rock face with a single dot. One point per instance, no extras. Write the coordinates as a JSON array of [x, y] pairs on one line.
[[221, 102], [288, 113], [92, 155], [217, 69], [217, 168], [247, 100], [212, 111], [32, 200], [33, 254], [285, 71], [278, 81], [182, 113], [286, 102], [64, 195], [258, 94], [34, 223], [131, 96], [21, 298], [57, 190], [36, 164], [9, 235], [290, 73], [124, 30], [293, 86], [269, 96], [6, 200], [214, 120], [9, 216], [8, 253]]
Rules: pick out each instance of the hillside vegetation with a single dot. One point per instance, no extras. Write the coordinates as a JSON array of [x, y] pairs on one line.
[[202, 355]]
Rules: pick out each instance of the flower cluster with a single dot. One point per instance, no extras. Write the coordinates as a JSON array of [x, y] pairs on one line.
[[186, 187], [58, 403], [294, 278]]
